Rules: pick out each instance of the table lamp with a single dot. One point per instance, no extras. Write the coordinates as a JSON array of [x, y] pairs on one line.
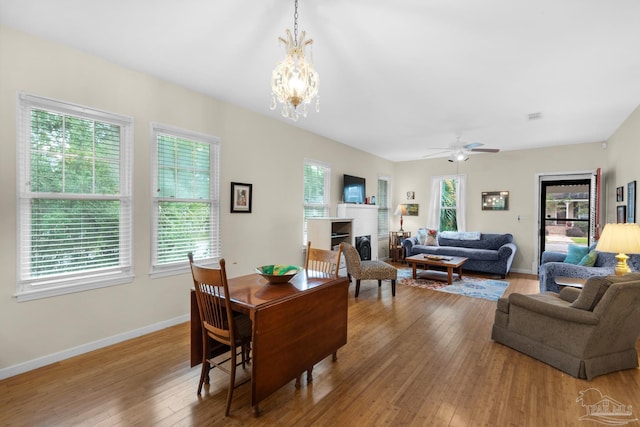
[[622, 239], [401, 210]]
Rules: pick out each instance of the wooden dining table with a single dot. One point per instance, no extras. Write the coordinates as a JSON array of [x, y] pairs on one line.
[[294, 326]]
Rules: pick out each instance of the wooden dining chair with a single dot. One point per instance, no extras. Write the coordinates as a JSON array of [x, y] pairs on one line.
[[219, 323], [323, 260]]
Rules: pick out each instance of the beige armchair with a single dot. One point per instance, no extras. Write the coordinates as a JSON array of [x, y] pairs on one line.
[[367, 270], [584, 333]]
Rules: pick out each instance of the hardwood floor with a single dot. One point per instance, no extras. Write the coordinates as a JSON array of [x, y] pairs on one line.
[[421, 358]]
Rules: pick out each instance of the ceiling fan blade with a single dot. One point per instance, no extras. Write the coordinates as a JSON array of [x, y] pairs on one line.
[[472, 145], [436, 154], [485, 150]]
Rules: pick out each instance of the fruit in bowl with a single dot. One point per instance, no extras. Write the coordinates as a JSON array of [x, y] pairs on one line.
[[278, 273]]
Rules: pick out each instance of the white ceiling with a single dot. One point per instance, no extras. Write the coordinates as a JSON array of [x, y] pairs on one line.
[[397, 78]]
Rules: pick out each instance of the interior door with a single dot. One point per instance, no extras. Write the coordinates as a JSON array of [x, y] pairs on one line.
[[569, 211]]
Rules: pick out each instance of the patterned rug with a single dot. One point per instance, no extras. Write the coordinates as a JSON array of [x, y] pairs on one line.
[[469, 286]]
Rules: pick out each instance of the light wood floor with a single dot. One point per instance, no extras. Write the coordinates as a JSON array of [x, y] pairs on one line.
[[421, 358]]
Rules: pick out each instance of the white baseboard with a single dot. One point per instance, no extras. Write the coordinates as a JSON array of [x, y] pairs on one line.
[[523, 271], [85, 348]]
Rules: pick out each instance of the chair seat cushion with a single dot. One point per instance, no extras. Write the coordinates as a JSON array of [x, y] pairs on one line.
[[378, 270]]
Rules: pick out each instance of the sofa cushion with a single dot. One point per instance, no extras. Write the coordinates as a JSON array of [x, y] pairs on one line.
[[596, 286], [487, 241], [576, 253]]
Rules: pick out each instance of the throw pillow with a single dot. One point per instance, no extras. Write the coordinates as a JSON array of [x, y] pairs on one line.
[[422, 236], [589, 260], [432, 237], [576, 253], [590, 290]]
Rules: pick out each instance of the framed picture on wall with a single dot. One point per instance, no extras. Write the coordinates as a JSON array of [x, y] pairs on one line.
[[241, 195], [412, 209], [622, 213], [620, 194], [495, 200], [631, 202]]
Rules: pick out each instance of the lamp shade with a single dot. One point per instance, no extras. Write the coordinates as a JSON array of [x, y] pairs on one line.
[[401, 210], [620, 238]]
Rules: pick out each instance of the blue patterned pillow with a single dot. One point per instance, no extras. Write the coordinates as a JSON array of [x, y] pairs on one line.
[[576, 253]]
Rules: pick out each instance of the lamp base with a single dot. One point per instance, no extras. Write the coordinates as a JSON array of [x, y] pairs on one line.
[[621, 266]]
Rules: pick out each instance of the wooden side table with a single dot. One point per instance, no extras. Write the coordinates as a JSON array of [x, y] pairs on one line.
[[573, 282], [396, 250]]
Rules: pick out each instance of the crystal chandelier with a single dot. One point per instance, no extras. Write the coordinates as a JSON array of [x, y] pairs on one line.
[[294, 82]]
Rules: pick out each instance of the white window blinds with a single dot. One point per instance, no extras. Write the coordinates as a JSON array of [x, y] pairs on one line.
[[383, 207], [186, 197], [74, 191], [317, 179]]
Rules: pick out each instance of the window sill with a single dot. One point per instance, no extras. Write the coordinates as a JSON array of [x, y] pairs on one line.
[[64, 289]]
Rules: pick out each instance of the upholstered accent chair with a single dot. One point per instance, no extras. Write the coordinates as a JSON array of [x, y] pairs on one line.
[[367, 270], [584, 333]]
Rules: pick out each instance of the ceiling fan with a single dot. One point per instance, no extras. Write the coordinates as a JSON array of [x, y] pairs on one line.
[[460, 152]]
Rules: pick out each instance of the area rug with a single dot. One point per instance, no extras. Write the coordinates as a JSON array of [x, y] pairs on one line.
[[474, 287]]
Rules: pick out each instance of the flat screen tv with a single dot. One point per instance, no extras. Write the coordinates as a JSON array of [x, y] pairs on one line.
[[353, 189]]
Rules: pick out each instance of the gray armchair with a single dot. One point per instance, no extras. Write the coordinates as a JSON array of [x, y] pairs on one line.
[[584, 333]]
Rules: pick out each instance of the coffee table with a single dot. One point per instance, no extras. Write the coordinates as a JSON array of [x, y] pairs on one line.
[[451, 263]]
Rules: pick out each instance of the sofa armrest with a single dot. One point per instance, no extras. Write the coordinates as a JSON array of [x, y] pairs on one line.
[[408, 245], [551, 270], [551, 256], [508, 252], [569, 314]]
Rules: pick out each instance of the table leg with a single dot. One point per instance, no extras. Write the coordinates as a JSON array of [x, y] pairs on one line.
[[460, 272], [413, 270], [449, 275]]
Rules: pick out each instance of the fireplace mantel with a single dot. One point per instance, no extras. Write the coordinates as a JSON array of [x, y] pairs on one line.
[[365, 222]]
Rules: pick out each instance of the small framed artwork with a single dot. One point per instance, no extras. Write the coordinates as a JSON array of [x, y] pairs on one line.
[[241, 195], [495, 200], [412, 209], [631, 202], [620, 194], [621, 214], [411, 195]]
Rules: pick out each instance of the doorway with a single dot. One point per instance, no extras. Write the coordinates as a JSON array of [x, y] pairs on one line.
[[568, 211]]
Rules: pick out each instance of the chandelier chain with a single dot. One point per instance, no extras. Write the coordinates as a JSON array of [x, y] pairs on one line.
[[295, 24]]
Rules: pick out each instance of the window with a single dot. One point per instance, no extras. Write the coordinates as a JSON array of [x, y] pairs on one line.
[[186, 199], [383, 207], [447, 207], [74, 198], [317, 179]]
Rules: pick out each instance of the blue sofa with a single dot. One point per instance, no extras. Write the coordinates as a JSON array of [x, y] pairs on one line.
[[491, 253], [552, 265]]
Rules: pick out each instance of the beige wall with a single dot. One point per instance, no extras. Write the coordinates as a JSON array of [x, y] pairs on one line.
[[512, 171], [255, 149], [624, 157]]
